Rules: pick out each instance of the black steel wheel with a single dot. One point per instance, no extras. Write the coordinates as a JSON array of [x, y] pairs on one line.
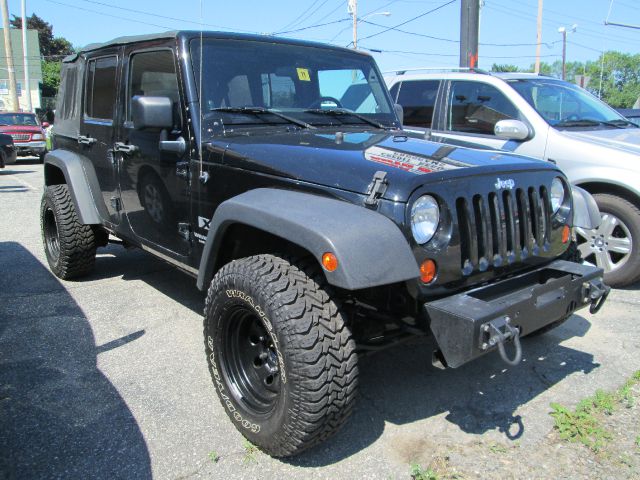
[[250, 361], [282, 360], [70, 246]]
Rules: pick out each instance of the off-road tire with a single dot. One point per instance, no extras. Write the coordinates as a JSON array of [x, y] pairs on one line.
[[75, 253], [315, 353]]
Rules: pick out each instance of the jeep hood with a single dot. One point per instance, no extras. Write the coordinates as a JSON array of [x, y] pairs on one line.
[[627, 140], [348, 161]]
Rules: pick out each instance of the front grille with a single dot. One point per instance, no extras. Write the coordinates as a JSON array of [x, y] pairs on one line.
[[21, 137], [502, 228]]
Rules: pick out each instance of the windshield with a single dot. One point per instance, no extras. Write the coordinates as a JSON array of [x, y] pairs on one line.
[[564, 104], [244, 80], [17, 119]]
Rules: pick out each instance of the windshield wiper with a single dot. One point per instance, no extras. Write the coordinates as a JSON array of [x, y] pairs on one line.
[[336, 112], [262, 111], [620, 122], [586, 122]]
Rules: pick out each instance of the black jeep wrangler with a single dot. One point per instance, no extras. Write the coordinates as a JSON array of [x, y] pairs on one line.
[[276, 172]]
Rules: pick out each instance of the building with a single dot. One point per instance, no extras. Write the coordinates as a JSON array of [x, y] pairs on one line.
[[35, 69]]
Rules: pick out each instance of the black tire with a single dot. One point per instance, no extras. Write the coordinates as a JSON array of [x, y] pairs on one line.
[[305, 346], [620, 269], [69, 245], [41, 156]]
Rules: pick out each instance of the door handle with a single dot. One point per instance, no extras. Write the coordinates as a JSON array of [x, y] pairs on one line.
[[83, 140], [124, 148]]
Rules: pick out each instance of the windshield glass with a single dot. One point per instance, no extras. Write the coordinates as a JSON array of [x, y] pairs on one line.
[[561, 102], [18, 119], [241, 77]]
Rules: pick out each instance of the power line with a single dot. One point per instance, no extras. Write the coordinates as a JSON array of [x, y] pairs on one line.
[[313, 26], [410, 20], [296, 21], [409, 33], [142, 12]]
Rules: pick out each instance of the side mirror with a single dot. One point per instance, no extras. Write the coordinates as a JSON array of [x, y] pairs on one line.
[[151, 112], [399, 112], [45, 124], [511, 130]]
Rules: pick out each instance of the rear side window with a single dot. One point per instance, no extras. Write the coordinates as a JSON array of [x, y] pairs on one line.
[[418, 99], [100, 91], [476, 107]]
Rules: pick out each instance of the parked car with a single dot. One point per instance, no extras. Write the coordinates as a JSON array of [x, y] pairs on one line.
[[318, 228], [631, 114], [27, 132], [549, 119], [7, 150]]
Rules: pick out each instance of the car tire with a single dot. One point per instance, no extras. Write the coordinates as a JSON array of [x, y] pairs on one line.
[[69, 245], [3, 159], [615, 244], [282, 360], [41, 156]]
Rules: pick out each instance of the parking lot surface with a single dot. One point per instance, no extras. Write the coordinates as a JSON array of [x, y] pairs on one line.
[[105, 377]]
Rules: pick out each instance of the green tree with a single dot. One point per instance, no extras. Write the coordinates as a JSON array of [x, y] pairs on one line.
[[620, 78], [52, 49], [496, 67]]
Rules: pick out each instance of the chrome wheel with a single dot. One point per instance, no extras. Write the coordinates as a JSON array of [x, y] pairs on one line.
[[608, 246]]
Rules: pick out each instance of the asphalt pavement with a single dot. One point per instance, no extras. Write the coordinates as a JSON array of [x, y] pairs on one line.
[[105, 377]]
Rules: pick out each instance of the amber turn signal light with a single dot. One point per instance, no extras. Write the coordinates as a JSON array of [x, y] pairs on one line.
[[329, 261], [428, 271], [566, 233]]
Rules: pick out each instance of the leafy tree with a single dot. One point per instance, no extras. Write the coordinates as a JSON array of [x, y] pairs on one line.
[[620, 78], [504, 68], [52, 49], [49, 45]]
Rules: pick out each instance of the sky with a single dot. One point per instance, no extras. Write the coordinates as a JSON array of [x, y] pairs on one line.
[[507, 27]]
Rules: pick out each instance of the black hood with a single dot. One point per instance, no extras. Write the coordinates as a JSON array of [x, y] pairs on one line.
[[348, 161]]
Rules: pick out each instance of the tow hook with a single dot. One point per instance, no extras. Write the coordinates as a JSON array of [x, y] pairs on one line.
[[498, 332], [595, 292]]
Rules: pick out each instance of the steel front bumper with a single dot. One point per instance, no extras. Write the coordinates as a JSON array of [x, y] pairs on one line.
[[27, 148], [477, 321]]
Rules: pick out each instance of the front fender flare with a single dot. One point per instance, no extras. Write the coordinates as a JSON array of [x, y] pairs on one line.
[[585, 209], [370, 248]]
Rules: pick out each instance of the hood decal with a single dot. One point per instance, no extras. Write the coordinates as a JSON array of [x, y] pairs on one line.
[[409, 162]]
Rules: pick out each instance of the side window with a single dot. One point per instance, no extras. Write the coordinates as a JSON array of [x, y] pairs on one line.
[[475, 107], [100, 90], [394, 92], [418, 99], [154, 74]]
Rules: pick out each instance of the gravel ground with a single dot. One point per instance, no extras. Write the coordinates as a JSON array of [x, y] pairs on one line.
[[106, 378]]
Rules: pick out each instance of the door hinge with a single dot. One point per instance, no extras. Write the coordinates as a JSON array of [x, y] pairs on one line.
[[184, 230], [182, 170], [124, 148], [376, 188], [116, 203]]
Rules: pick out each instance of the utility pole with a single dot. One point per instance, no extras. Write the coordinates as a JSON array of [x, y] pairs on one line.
[[563, 31], [27, 82], [538, 37], [353, 10], [13, 89], [469, 25]]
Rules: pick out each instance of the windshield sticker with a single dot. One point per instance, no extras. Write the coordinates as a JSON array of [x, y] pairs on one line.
[[303, 75], [409, 162]]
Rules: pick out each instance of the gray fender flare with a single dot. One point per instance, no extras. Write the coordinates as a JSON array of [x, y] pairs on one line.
[[370, 248], [585, 209], [71, 166]]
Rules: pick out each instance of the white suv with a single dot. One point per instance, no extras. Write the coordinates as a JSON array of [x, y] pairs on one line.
[[549, 119]]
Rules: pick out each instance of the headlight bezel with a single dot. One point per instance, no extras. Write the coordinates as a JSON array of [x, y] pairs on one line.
[[424, 230], [557, 202]]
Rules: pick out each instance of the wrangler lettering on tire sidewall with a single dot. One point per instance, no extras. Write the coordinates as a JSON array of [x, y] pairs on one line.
[[282, 360]]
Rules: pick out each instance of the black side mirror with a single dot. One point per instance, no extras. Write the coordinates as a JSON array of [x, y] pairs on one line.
[[151, 112], [399, 112]]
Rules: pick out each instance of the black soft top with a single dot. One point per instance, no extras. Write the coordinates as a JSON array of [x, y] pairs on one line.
[[188, 34]]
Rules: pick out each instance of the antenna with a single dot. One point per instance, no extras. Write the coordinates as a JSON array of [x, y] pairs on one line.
[[200, 173]]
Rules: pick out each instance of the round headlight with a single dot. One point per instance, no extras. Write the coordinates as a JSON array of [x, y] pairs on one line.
[[558, 192], [425, 216]]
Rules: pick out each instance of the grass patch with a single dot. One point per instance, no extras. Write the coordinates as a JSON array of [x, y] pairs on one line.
[[497, 448], [419, 473], [583, 424], [214, 457], [249, 452], [638, 441]]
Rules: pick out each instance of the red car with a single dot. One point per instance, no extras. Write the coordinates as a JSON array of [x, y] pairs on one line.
[[26, 131]]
